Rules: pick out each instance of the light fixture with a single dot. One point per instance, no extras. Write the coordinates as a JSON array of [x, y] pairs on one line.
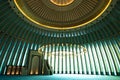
[[63, 52]]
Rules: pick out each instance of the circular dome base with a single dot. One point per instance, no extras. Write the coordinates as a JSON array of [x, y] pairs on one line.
[[77, 13]]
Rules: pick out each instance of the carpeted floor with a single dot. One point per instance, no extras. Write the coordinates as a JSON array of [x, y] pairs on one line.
[[61, 77]]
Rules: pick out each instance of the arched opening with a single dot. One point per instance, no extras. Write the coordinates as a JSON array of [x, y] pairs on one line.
[[35, 65]]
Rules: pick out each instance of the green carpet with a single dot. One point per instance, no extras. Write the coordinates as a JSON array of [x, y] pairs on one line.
[[61, 77]]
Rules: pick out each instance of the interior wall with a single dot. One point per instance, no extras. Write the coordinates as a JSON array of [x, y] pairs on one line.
[[102, 41], [102, 57]]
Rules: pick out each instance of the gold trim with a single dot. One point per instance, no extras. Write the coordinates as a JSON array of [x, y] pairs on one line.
[[62, 3], [65, 28]]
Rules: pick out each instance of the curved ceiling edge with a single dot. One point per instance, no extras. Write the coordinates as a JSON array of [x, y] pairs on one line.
[[58, 28]]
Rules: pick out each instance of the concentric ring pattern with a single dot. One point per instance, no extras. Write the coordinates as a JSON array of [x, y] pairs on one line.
[[49, 14]]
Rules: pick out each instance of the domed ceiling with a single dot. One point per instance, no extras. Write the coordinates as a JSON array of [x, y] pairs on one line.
[[19, 34], [62, 14]]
